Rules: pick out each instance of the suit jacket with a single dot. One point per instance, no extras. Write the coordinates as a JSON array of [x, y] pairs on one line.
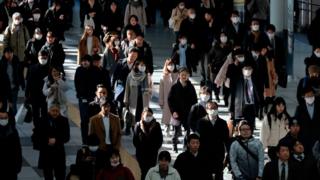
[[97, 127], [271, 171]]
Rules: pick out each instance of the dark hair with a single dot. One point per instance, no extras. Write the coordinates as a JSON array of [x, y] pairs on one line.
[[50, 77], [7, 49], [86, 57], [134, 49], [93, 140], [148, 110], [273, 110], [271, 27], [184, 69], [133, 16], [235, 12], [43, 53], [193, 136], [164, 155], [96, 57], [100, 86], [282, 144]]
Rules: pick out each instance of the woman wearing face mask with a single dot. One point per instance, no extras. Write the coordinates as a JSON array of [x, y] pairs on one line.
[[111, 54], [137, 91], [169, 77], [217, 56], [33, 47], [89, 44], [314, 59], [179, 13], [147, 139], [274, 126], [115, 169], [11, 160]]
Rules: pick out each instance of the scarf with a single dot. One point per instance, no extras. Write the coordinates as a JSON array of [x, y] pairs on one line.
[[138, 79]]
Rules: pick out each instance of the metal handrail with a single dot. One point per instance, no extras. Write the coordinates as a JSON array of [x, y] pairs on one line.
[[313, 4]]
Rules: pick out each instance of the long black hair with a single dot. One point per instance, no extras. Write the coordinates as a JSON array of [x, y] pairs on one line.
[[273, 110]]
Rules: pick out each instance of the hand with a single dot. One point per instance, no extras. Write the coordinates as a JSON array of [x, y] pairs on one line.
[[52, 141], [57, 78], [193, 46], [92, 14], [175, 115]]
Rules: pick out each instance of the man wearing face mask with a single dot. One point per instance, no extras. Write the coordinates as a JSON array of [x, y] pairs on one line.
[[33, 93], [314, 59], [245, 100], [309, 117], [214, 137], [33, 47], [193, 29], [235, 29], [147, 139], [256, 36], [198, 110], [16, 36], [11, 160]]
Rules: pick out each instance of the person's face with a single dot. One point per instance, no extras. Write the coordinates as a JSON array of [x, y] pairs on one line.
[[294, 129], [4, 115], [113, 7], [130, 35], [105, 109], [89, 30], [8, 55], [245, 131], [50, 38], [317, 50], [96, 63], [54, 111], [163, 164], [139, 41], [264, 51], [194, 145], [133, 21], [85, 63], [207, 17], [283, 153], [280, 108], [114, 159], [101, 92], [132, 57], [184, 76], [309, 94], [211, 106], [298, 148], [55, 73], [314, 74]]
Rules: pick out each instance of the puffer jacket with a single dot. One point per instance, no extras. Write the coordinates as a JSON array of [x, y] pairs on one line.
[[243, 165], [154, 174]]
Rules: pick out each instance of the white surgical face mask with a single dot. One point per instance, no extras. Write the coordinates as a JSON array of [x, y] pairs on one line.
[[192, 16], [116, 42], [181, 6], [310, 100], [212, 113], [142, 68], [247, 72], [147, 119], [4, 122], [317, 54], [183, 41], [170, 68], [204, 97], [93, 148], [38, 36], [114, 164], [270, 35], [240, 59], [43, 61], [254, 54], [235, 20], [223, 39], [255, 27]]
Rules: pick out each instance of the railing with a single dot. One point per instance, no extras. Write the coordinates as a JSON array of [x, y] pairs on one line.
[[307, 11]]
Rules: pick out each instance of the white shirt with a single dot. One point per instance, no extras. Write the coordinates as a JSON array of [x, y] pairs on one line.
[[89, 45], [106, 124]]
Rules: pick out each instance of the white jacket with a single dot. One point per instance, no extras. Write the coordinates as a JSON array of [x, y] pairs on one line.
[[271, 136], [153, 174]]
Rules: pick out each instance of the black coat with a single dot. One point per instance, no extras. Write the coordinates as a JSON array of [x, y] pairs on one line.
[[312, 60], [32, 49], [54, 23], [214, 140], [309, 125], [82, 83], [147, 143], [262, 41], [306, 82], [53, 156], [120, 75], [5, 90], [180, 100], [192, 167], [145, 54], [236, 37], [11, 159], [101, 76], [56, 53], [197, 112], [271, 171], [35, 76], [307, 167], [18, 80]]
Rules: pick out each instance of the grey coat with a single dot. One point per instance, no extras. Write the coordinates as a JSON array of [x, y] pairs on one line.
[[244, 166]]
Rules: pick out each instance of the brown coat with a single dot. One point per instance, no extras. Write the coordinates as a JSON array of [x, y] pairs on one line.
[[97, 127], [273, 80], [83, 50], [178, 15]]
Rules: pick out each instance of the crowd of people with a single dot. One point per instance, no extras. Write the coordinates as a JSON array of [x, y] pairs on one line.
[[241, 60]]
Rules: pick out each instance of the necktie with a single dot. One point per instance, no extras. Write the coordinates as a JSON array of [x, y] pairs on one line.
[[283, 171], [246, 86]]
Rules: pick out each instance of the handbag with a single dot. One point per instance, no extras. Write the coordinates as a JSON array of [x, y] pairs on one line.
[[171, 23]]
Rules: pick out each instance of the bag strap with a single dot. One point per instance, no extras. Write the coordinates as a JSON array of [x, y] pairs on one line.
[[254, 156]]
